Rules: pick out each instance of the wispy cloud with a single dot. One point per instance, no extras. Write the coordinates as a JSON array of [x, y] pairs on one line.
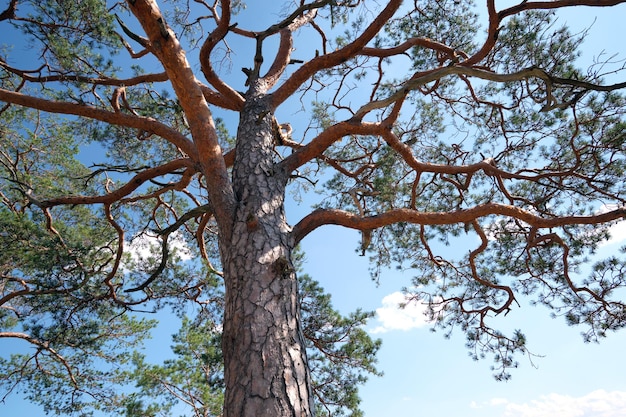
[[391, 316], [618, 233], [491, 402], [617, 230], [146, 246], [598, 403]]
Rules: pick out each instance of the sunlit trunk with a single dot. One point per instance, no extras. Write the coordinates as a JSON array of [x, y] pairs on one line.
[[266, 370]]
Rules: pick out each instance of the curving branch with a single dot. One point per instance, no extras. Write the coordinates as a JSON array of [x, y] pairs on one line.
[[165, 253], [172, 56], [472, 262], [193, 213], [423, 78], [118, 253], [321, 217], [495, 18], [205, 211], [218, 99], [283, 56], [555, 4], [147, 124], [402, 49], [324, 140], [310, 68], [229, 95], [32, 292], [130, 186], [45, 346], [304, 14], [9, 12]]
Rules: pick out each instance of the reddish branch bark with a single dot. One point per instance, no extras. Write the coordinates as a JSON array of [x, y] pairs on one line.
[[147, 124], [324, 140], [495, 18], [132, 185], [44, 346], [322, 217], [228, 93], [306, 71], [188, 90]]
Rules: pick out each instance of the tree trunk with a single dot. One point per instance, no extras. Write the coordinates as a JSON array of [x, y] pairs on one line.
[[266, 370]]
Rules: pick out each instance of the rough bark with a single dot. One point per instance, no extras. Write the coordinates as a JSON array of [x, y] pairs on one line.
[[266, 371]]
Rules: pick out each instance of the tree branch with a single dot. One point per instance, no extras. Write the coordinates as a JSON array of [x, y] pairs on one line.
[[410, 43], [9, 12], [426, 77], [318, 145], [306, 71], [321, 217], [127, 188], [229, 94], [555, 4], [147, 124], [44, 346], [187, 88], [139, 79], [495, 18], [283, 56]]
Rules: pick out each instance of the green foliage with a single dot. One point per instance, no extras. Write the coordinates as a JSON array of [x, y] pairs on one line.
[[341, 353], [453, 23], [76, 362], [193, 377]]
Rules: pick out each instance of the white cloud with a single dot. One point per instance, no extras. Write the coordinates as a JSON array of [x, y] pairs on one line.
[[617, 230], [498, 401], [598, 403], [145, 246], [492, 402], [391, 316], [618, 233]]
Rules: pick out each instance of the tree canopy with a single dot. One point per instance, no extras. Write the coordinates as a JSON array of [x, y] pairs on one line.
[[147, 149]]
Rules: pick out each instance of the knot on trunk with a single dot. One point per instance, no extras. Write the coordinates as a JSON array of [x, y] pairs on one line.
[[283, 267]]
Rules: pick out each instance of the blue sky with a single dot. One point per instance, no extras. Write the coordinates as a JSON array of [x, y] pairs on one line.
[[426, 374]]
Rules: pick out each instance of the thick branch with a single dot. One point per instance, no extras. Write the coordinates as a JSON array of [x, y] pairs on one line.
[[188, 90], [325, 139], [9, 13], [126, 189], [283, 56], [322, 217], [218, 99], [230, 95], [147, 124], [436, 74], [306, 71]]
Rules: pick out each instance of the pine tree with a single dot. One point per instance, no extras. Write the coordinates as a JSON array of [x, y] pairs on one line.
[[127, 186]]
